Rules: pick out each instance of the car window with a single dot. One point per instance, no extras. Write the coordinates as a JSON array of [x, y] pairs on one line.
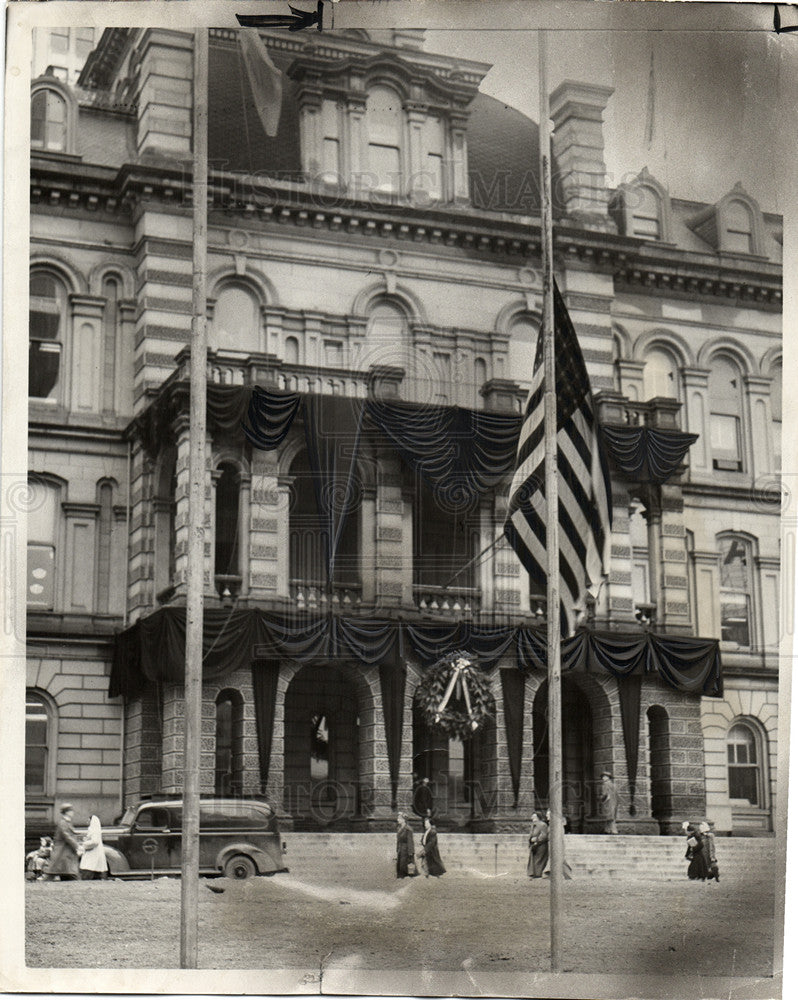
[[232, 815], [152, 819]]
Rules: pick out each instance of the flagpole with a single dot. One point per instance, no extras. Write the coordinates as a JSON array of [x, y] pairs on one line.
[[195, 577], [556, 844]]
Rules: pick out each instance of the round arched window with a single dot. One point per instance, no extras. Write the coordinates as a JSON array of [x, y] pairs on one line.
[[744, 764]]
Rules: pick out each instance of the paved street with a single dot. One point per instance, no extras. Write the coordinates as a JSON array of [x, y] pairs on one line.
[[467, 923]]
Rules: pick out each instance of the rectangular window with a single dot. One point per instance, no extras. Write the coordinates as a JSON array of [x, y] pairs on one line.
[[743, 783], [738, 242], [84, 42], [385, 166], [331, 142], [435, 175], [35, 747], [59, 40], [41, 576], [646, 227], [333, 353], [724, 439]]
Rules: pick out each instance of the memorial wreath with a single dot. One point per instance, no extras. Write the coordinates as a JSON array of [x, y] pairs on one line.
[[454, 696]]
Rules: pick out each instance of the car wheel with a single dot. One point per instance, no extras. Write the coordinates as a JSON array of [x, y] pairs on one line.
[[240, 867]]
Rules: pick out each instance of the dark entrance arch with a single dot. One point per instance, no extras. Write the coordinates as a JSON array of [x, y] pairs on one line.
[[322, 723], [577, 752], [659, 749]]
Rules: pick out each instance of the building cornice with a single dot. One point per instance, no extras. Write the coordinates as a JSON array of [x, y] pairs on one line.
[[260, 203]]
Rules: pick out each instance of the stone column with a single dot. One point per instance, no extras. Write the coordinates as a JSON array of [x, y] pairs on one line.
[[630, 374], [354, 153], [267, 552], [696, 386], [458, 177], [707, 588], [123, 371], [674, 594], [173, 742], [757, 392], [244, 540], [394, 547], [620, 599], [309, 99], [142, 760], [80, 563], [368, 544], [86, 356], [416, 116]]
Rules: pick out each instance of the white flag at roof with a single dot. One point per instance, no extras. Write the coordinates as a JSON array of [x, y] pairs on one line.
[[265, 80]]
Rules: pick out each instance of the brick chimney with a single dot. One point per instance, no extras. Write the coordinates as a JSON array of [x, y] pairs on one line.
[[578, 171]]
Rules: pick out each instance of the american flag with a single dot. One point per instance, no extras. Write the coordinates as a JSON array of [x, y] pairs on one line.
[[584, 486]]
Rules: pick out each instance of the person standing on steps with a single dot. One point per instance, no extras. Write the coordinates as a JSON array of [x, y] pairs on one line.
[[405, 853], [708, 849], [538, 847], [430, 855], [608, 803], [423, 803]]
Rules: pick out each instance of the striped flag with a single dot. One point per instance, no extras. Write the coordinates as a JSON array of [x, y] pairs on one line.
[[584, 485], [265, 80]]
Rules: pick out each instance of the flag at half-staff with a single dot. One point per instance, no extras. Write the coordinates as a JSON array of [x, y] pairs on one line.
[[584, 509], [265, 80]]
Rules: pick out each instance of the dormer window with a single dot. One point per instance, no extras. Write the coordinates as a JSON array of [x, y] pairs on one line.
[[739, 229], [643, 209], [646, 214], [48, 121]]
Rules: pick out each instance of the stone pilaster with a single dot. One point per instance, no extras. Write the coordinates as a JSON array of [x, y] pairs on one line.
[[757, 393], [87, 353], [165, 61], [696, 387], [394, 548]]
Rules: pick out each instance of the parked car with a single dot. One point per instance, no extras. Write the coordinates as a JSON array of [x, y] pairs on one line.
[[237, 837]]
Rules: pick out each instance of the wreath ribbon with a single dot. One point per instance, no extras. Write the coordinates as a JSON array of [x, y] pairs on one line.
[[457, 682]]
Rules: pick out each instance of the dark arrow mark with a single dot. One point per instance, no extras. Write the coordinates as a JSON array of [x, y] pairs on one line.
[[777, 21], [297, 20]]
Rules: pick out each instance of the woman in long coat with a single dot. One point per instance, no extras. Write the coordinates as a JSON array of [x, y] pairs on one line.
[[430, 855], [66, 849], [93, 863], [708, 850], [538, 847], [697, 869], [405, 852]]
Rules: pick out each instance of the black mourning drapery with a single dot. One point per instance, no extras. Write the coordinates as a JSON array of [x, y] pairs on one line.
[[270, 415], [265, 674], [393, 678], [647, 454], [629, 697], [513, 683], [460, 453], [153, 649]]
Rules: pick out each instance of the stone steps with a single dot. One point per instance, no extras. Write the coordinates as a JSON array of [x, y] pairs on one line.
[[345, 854]]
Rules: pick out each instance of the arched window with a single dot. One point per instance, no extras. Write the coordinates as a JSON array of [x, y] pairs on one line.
[[745, 764], [384, 124], [387, 325], [228, 491], [165, 511], [736, 623], [236, 320], [480, 378], [47, 321], [739, 228], [646, 213], [48, 120], [229, 743], [661, 374], [39, 744], [42, 544], [521, 353], [725, 404]]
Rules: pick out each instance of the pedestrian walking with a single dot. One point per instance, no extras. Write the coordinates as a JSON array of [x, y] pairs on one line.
[[538, 847], [405, 853], [66, 848], [567, 871], [708, 847], [423, 802], [608, 802], [697, 870], [93, 863], [430, 855]]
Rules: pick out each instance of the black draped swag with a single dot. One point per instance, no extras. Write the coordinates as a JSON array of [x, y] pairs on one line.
[[513, 683], [647, 454], [152, 651]]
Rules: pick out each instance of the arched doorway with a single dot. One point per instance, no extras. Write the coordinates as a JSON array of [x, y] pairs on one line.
[[659, 749], [455, 771], [577, 753], [322, 760]]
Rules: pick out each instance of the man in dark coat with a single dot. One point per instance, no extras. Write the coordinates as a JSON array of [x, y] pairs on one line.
[[608, 801], [66, 848], [405, 850], [422, 799]]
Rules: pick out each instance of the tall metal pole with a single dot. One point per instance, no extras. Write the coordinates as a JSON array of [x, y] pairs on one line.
[[195, 583], [556, 844]]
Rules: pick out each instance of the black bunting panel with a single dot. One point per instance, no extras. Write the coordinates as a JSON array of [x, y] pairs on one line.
[[647, 454], [153, 649]]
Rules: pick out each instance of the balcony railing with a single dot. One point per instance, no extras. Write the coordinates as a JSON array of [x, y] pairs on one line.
[[447, 600], [313, 595]]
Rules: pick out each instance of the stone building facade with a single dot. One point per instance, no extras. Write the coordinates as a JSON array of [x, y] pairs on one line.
[[386, 241]]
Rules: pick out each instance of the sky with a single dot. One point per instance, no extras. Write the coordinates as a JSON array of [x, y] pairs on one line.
[[720, 100]]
